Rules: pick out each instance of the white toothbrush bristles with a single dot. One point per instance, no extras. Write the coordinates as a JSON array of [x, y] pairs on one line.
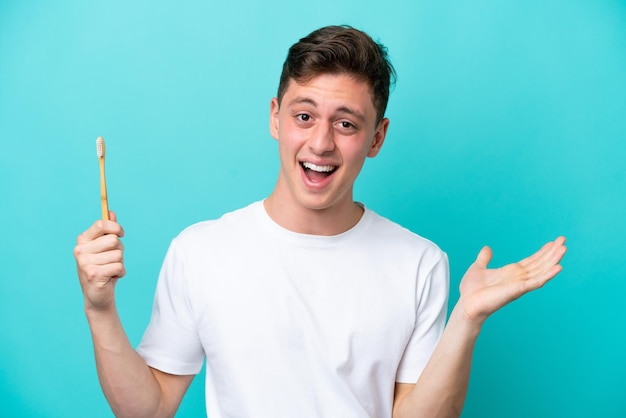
[[100, 147]]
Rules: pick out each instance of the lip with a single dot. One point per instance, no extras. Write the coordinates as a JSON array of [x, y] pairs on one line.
[[317, 185]]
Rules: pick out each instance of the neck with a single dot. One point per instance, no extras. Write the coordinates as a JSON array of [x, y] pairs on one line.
[[328, 221]]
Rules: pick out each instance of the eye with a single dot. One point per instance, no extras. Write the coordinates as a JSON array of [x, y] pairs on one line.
[[346, 126], [303, 117]]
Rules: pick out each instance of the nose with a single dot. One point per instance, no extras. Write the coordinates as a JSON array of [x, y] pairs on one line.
[[322, 139]]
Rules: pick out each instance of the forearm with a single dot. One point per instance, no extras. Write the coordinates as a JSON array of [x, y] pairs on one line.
[[127, 382], [441, 389], [131, 387]]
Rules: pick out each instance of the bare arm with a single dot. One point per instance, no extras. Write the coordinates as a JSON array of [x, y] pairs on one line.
[[131, 387], [441, 389]]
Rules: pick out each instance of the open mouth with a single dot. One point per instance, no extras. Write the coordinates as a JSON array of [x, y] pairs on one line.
[[317, 173]]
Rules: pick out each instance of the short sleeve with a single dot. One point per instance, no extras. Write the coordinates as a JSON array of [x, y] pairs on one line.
[[171, 343], [432, 305]]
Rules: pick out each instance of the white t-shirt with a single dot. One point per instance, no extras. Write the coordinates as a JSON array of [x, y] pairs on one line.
[[295, 325]]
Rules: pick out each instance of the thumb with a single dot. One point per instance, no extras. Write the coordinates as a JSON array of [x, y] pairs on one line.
[[113, 217], [484, 257]]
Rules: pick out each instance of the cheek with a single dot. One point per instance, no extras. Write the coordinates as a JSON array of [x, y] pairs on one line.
[[290, 136], [289, 145], [356, 151], [354, 155]]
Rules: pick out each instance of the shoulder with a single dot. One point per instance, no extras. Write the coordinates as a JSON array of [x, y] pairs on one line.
[[227, 227], [397, 238]]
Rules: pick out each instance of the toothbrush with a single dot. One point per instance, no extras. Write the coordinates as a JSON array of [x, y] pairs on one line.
[[103, 183]]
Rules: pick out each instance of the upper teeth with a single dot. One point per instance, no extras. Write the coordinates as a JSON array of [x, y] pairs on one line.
[[319, 168]]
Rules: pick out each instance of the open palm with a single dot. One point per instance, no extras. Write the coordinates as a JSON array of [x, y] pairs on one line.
[[484, 290]]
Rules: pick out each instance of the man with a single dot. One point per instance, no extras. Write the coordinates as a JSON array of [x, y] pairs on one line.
[[307, 303]]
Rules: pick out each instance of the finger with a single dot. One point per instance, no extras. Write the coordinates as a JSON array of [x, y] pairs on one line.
[[542, 279], [90, 256], [550, 254], [536, 257], [113, 270], [550, 257], [484, 257], [103, 258], [103, 273], [547, 266], [551, 266], [99, 245], [100, 228], [112, 216]]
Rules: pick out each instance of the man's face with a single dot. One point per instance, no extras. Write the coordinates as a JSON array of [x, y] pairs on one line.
[[325, 129]]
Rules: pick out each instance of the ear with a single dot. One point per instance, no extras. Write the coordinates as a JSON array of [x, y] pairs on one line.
[[274, 107], [379, 138]]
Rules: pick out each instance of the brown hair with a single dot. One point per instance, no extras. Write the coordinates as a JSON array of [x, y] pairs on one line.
[[340, 50]]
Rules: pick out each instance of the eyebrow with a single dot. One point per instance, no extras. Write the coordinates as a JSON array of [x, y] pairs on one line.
[[341, 109]]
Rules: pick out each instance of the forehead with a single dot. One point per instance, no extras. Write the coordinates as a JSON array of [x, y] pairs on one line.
[[331, 89]]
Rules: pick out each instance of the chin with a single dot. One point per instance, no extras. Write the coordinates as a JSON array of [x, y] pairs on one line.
[[322, 203]]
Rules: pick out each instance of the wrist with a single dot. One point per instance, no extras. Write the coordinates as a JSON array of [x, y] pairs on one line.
[[95, 313], [469, 325]]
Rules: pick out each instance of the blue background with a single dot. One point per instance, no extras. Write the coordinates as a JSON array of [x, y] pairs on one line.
[[508, 128]]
